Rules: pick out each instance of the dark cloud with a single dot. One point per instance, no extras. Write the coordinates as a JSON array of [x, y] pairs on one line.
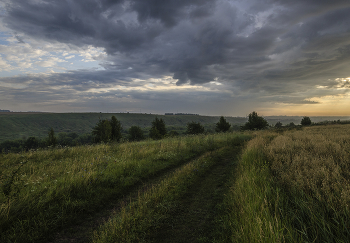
[[272, 46]]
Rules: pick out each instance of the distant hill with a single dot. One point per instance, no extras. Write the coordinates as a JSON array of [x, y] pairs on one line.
[[16, 125], [23, 125]]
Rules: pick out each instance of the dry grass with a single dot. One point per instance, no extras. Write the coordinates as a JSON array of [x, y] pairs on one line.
[[315, 161], [292, 187]]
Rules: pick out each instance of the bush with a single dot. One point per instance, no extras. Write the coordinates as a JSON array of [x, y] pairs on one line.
[[222, 125], [194, 128], [306, 121], [255, 122], [278, 125], [158, 129], [107, 130], [31, 143], [116, 129], [135, 133], [51, 141]]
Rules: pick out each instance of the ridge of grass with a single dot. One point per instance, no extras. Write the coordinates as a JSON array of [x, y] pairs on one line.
[[253, 204]]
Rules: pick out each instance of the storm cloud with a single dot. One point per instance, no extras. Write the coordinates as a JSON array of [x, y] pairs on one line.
[[273, 51]]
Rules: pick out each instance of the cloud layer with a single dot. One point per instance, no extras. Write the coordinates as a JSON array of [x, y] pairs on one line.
[[270, 51]]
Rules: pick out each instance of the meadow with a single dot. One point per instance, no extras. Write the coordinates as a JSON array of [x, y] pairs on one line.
[[277, 185], [292, 186], [53, 188]]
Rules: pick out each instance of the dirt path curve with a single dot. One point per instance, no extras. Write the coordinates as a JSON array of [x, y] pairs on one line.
[[194, 219]]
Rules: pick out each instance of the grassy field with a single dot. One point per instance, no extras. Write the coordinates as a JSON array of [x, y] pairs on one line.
[[280, 186], [56, 187], [292, 186]]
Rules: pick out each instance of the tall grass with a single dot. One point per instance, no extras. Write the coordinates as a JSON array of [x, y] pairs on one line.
[[313, 167], [253, 203], [59, 185], [292, 187]]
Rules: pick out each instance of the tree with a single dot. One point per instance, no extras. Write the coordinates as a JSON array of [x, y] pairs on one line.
[[107, 130], [278, 124], [158, 129], [31, 143], [116, 129], [135, 133], [306, 121], [194, 128], [51, 141], [291, 124], [102, 131], [255, 122], [222, 125]]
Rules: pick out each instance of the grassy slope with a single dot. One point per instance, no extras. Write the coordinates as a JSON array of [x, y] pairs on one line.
[[19, 125]]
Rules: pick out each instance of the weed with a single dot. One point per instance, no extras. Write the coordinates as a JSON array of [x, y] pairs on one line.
[[10, 186]]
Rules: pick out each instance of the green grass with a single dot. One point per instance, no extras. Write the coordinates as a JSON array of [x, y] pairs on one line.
[[60, 185], [142, 218], [253, 204], [266, 205]]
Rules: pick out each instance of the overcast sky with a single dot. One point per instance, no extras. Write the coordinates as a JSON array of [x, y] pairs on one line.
[[212, 57]]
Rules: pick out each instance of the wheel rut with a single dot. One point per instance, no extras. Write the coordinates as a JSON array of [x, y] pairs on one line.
[[196, 213], [80, 231]]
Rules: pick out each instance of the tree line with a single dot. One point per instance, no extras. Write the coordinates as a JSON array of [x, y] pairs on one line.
[[106, 130], [110, 130]]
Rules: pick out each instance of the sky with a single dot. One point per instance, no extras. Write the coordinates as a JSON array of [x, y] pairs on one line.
[[209, 57]]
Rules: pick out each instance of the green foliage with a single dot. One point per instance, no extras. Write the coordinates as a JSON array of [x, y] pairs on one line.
[[278, 124], [136, 133], [255, 122], [155, 134], [306, 121], [102, 131], [158, 129], [31, 143], [222, 125], [51, 140], [194, 128], [107, 130], [116, 129]]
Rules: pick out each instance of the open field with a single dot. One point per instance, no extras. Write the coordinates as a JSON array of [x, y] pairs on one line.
[[281, 186]]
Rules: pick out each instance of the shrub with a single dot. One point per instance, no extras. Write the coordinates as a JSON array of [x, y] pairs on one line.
[[278, 124], [255, 122], [194, 128], [158, 129], [222, 125], [51, 141], [306, 121], [135, 133]]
